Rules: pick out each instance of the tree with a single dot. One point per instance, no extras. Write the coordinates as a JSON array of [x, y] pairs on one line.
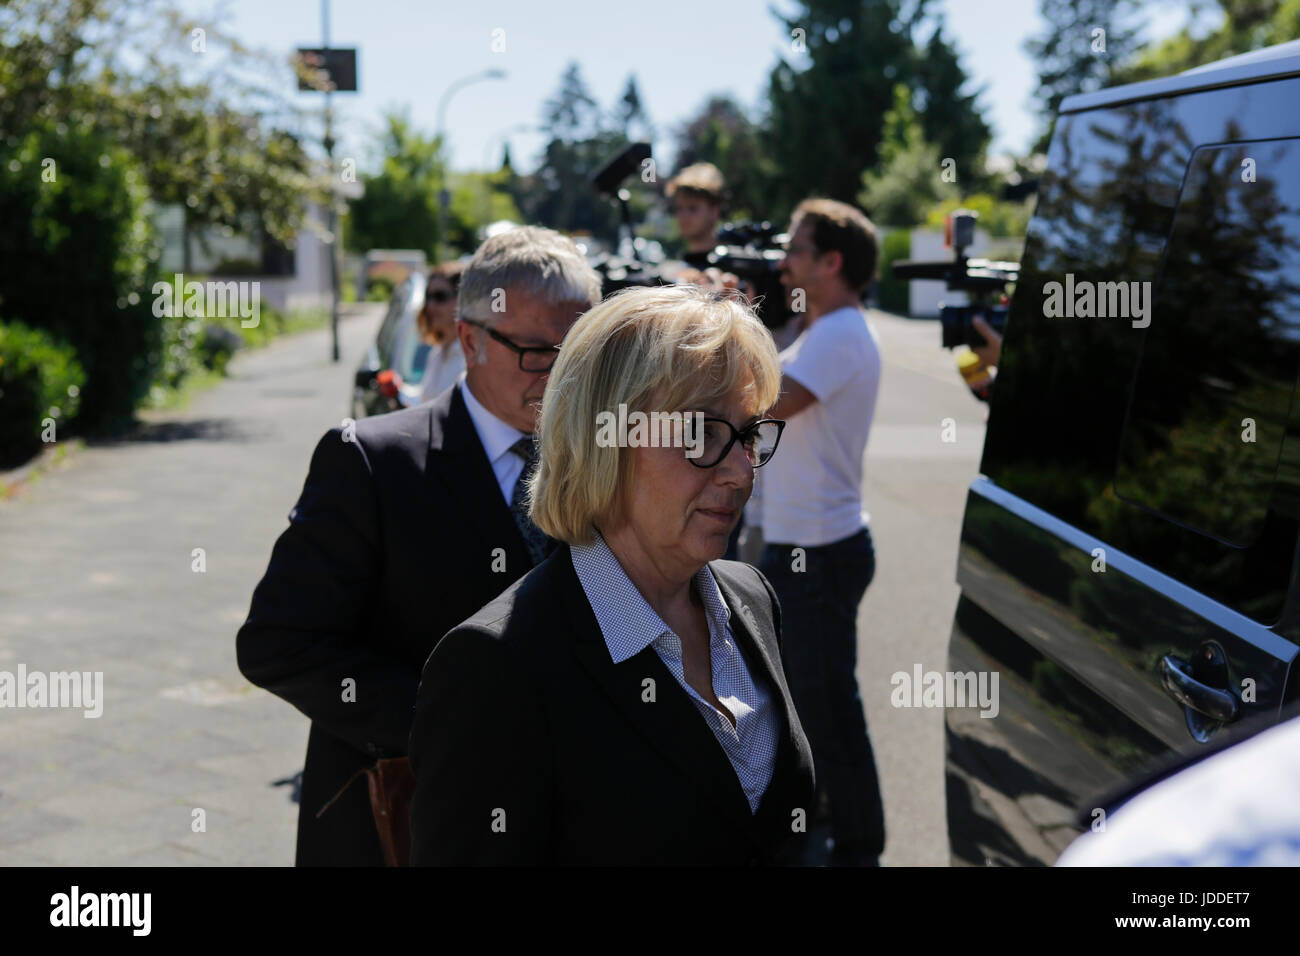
[[168, 97], [476, 200], [572, 113], [1079, 50], [399, 207], [631, 110], [560, 194], [75, 257], [1247, 25], [722, 134], [824, 122], [909, 179], [950, 118], [95, 130]]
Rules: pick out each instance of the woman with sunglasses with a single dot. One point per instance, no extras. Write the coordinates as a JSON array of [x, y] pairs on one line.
[[624, 702], [437, 321]]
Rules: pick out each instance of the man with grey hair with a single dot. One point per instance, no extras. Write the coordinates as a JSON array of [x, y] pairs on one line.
[[407, 524]]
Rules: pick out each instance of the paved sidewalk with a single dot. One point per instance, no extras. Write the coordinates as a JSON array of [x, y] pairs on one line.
[[96, 574]]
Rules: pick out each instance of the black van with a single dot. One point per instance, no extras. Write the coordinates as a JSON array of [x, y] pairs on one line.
[[1128, 554]]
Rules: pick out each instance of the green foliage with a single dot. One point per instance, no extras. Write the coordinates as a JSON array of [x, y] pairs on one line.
[[237, 267], [379, 289], [825, 121], [476, 200], [39, 378], [999, 219], [630, 110], [950, 118], [723, 135], [181, 338], [910, 178], [559, 193], [66, 61], [894, 292], [1068, 55], [1247, 25], [94, 128], [73, 258], [399, 209]]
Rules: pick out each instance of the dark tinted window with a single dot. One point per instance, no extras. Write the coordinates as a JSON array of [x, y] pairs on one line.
[[1220, 343], [1214, 384]]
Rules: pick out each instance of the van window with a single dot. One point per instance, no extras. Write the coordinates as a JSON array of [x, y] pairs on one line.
[[1134, 435], [1213, 389]]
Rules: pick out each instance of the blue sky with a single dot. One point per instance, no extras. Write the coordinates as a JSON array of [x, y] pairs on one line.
[[680, 50]]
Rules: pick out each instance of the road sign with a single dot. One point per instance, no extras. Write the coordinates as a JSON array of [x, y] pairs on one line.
[[339, 65]]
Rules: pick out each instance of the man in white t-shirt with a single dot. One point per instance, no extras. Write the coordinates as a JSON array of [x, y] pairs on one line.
[[819, 556]]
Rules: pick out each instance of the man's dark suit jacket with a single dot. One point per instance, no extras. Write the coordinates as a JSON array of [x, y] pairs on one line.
[[389, 547], [531, 746]]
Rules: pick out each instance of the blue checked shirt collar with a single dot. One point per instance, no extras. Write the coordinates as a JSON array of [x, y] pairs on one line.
[[627, 622]]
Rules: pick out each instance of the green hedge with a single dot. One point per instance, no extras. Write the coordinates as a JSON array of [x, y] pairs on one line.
[[894, 292], [379, 289], [74, 254], [40, 379]]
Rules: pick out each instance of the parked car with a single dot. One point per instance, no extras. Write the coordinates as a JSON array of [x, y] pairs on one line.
[[1128, 553], [390, 373]]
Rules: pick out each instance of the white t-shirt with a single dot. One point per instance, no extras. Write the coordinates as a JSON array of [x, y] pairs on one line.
[[812, 487]]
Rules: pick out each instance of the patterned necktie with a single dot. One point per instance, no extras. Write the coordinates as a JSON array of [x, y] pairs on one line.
[[538, 543]]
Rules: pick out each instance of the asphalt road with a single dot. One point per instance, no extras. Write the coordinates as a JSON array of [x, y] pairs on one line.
[[915, 490], [98, 573]]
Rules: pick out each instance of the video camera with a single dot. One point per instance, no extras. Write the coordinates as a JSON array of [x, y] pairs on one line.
[[752, 251], [981, 279]]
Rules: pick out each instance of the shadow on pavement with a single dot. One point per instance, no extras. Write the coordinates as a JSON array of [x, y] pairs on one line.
[[202, 429], [295, 785]]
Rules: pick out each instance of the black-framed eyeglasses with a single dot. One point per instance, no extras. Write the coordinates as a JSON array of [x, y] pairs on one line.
[[532, 358], [759, 441]]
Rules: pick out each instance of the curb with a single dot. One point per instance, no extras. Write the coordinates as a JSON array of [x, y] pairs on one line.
[[12, 482]]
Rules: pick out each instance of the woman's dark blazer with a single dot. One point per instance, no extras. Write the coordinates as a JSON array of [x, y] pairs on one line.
[[531, 746]]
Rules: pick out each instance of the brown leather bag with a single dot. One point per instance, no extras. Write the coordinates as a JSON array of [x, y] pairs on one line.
[[392, 785]]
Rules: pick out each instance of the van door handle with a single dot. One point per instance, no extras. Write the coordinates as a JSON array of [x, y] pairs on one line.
[[1176, 675]]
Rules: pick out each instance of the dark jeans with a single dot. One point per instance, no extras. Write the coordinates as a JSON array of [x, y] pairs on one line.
[[819, 613]]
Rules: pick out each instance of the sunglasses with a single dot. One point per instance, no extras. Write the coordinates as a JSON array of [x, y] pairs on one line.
[[439, 295]]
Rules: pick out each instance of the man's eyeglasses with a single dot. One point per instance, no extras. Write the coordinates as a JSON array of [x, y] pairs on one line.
[[759, 441], [532, 358]]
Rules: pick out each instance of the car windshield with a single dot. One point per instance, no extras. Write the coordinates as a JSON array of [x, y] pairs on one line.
[[409, 352]]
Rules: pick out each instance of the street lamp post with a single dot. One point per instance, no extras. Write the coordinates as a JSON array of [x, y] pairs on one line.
[[332, 227], [339, 69], [444, 196]]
